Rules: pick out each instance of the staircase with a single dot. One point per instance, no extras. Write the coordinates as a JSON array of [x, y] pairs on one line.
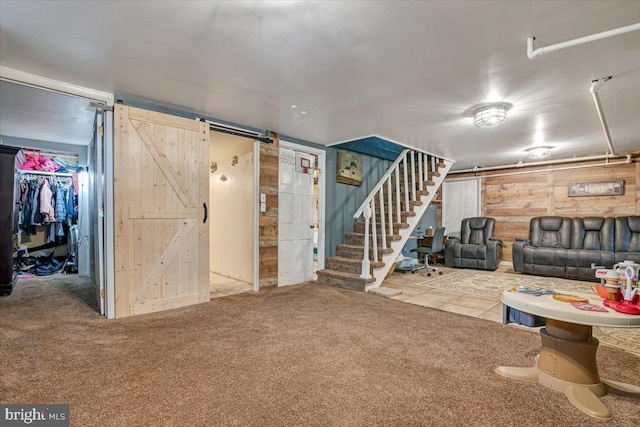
[[384, 222]]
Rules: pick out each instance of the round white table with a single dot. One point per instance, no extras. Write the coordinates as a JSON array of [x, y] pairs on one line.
[[567, 359]]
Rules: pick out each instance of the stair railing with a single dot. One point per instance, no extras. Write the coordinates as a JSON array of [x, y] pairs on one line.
[[425, 164]]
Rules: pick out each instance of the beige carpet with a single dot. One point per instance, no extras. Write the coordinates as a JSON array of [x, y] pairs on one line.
[[298, 356], [479, 282]]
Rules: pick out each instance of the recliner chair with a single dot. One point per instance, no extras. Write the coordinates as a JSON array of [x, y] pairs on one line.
[[476, 247]]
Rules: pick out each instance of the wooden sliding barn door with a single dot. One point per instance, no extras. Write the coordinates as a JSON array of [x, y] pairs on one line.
[[161, 186]]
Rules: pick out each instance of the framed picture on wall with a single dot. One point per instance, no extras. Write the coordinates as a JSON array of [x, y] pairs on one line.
[[596, 188], [349, 169]]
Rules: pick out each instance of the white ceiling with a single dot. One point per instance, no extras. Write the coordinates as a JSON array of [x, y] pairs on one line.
[[406, 71], [31, 113]]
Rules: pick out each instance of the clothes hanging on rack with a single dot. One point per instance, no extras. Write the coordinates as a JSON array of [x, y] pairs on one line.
[[48, 201], [46, 208]]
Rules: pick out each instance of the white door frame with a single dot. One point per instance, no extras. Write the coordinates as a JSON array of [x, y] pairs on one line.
[[109, 226], [98, 204], [256, 215], [322, 162]]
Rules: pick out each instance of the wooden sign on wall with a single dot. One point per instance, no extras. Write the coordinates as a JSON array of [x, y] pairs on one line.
[[349, 169], [597, 188]]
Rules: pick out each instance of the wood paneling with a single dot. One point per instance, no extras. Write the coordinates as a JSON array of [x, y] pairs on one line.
[[514, 199], [268, 221]]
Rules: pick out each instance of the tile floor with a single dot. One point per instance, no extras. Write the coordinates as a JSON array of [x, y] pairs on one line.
[[488, 308], [222, 286]]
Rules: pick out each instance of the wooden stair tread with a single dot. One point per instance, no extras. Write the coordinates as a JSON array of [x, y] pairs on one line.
[[374, 264], [356, 247], [343, 275], [389, 236]]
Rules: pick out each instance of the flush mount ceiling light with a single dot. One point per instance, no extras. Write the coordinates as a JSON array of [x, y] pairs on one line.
[[538, 153], [490, 115]]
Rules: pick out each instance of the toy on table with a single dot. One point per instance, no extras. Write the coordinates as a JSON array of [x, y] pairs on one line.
[[627, 290], [570, 298], [589, 307], [533, 290]]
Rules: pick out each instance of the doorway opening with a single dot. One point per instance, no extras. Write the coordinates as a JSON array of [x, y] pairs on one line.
[[231, 214], [54, 180]]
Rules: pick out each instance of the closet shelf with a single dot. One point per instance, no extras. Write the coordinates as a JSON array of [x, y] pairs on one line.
[[36, 172]]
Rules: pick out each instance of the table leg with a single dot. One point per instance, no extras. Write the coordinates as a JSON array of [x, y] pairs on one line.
[[567, 363]]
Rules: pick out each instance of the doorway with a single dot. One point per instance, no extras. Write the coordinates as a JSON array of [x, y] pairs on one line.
[[231, 209], [56, 248]]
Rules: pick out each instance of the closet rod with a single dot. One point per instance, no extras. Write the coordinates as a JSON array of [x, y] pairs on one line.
[[34, 172]]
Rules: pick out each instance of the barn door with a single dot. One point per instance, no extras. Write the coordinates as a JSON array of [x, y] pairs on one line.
[[161, 187], [295, 217]]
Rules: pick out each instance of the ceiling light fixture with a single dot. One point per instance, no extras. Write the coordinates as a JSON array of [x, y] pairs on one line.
[[490, 116], [538, 153]]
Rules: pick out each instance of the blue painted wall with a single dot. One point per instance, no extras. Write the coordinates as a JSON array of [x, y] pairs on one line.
[[343, 200]]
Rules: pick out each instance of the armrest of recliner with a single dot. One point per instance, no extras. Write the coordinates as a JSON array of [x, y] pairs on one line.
[[494, 253], [517, 253], [497, 240], [452, 240]]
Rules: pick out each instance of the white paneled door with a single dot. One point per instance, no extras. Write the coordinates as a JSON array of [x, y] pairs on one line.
[[295, 217]]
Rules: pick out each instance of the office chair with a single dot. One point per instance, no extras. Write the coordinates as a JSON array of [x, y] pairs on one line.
[[436, 246]]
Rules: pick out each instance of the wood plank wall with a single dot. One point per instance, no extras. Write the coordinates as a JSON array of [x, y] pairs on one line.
[[268, 221], [514, 199]]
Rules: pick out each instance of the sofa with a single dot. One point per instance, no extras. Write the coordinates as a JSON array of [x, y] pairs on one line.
[[476, 247], [569, 247]]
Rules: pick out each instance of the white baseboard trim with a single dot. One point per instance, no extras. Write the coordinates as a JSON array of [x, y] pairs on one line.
[[506, 264]]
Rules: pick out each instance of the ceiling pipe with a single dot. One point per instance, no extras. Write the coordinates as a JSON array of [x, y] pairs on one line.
[[595, 87], [542, 163], [548, 49], [621, 162]]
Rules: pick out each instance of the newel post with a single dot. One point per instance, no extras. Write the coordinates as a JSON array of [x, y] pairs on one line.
[[366, 265]]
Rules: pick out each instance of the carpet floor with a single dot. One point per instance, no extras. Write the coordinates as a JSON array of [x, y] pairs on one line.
[[302, 355]]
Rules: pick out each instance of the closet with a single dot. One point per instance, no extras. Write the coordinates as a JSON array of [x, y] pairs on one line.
[[63, 138], [45, 215]]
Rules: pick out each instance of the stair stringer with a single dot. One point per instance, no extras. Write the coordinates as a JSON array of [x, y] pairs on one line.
[[398, 245]]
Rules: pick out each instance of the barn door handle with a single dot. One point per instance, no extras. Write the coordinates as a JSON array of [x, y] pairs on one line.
[[204, 205]]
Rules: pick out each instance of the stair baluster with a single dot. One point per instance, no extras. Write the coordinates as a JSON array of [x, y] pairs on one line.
[[390, 204], [420, 172], [406, 184], [398, 210], [366, 266], [413, 176], [374, 231], [383, 228]]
